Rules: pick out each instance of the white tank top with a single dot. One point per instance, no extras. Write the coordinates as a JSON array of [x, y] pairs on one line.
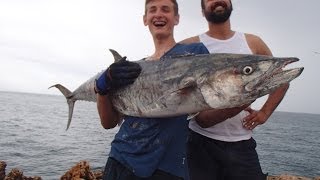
[[230, 130]]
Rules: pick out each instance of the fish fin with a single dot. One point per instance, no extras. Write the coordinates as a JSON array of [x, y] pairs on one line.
[[189, 81], [68, 95], [188, 85], [71, 106], [117, 57], [66, 92], [191, 116], [120, 120]]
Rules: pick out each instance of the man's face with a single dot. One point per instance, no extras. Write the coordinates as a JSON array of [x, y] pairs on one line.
[[217, 11], [160, 17]]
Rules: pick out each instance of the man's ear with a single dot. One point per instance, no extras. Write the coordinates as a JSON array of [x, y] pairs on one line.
[[176, 19], [145, 20]]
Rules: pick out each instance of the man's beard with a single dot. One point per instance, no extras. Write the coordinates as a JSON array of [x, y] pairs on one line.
[[218, 18]]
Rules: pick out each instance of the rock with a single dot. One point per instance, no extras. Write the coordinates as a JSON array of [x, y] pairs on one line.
[[99, 174], [81, 171], [3, 166], [288, 177], [14, 174]]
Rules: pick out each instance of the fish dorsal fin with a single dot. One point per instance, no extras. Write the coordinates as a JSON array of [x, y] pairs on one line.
[[117, 57]]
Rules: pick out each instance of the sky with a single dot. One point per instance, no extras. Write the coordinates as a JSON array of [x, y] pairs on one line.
[[44, 42]]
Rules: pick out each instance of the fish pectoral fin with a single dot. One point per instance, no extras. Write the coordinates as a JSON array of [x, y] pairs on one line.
[[191, 116], [188, 85], [120, 121], [174, 96]]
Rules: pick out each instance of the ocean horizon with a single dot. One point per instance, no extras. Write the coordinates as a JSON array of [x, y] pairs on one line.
[[34, 138]]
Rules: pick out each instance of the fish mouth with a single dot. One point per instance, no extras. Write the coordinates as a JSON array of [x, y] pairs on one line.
[[275, 76]]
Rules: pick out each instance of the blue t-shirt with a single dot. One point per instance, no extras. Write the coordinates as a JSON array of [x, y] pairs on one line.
[[146, 144]]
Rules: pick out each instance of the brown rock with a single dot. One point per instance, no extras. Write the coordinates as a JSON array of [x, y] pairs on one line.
[[14, 174], [3, 166], [78, 172], [287, 177], [99, 174], [82, 171]]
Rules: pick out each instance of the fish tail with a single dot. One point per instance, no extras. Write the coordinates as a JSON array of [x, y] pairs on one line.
[[70, 100]]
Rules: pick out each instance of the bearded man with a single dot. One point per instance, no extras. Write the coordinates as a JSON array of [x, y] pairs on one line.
[[220, 144]]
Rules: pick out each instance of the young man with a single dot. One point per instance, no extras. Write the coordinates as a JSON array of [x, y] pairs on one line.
[[146, 148], [220, 145]]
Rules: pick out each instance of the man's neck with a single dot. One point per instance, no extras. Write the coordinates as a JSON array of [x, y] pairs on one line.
[[220, 31], [162, 46]]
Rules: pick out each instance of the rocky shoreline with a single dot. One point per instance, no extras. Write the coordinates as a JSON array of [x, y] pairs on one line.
[[82, 171]]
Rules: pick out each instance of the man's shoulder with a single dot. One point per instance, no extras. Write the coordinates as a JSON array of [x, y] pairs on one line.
[[190, 40], [252, 38], [257, 45], [192, 48]]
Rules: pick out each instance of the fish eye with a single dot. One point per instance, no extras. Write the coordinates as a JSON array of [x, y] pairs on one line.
[[247, 70]]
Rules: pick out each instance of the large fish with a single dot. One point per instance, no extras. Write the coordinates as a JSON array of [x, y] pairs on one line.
[[192, 83]]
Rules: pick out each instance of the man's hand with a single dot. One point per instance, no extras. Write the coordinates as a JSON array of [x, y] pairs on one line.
[[254, 119], [119, 74]]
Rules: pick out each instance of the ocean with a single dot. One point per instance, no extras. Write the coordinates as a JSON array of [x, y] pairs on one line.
[[33, 138]]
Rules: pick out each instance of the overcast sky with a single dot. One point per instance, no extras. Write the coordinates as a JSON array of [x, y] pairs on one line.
[[44, 42]]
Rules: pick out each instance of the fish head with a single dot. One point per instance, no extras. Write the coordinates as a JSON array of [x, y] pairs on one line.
[[244, 80]]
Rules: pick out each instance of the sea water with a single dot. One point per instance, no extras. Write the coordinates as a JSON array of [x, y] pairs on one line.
[[33, 138]]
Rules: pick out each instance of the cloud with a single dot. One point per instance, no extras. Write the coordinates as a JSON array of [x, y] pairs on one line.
[[43, 42]]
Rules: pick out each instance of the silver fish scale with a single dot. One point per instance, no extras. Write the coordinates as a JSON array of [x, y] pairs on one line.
[[160, 90]]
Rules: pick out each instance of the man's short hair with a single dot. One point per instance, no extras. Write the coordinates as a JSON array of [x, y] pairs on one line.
[[175, 6]]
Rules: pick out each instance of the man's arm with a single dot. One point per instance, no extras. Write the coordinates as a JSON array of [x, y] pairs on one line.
[[212, 117], [108, 116], [274, 99], [117, 75]]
